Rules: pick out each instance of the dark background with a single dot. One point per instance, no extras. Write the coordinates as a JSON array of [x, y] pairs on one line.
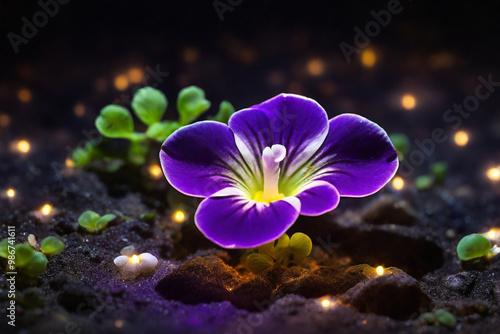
[[434, 50]]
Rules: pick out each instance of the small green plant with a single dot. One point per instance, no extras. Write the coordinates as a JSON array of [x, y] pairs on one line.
[[438, 171], [25, 257], [473, 246], [149, 105], [401, 144], [52, 246], [93, 222], [439, 318], [424, 182], [284, 251]]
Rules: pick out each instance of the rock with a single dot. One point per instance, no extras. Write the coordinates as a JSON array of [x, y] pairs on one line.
[[386, 210], [462, 282], [397, 296], [326, 281], [199, 280]]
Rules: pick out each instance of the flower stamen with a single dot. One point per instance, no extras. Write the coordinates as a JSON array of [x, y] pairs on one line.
[[271, 158]]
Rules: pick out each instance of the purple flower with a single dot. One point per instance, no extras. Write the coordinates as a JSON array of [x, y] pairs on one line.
[[274, 161]]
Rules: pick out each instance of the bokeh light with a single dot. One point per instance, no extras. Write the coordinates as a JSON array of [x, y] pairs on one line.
[[179, 216], [79, 109], [134, 259], [23, 146], [380, 270], [4, 120], [190, 55], [368, 58], [398, 183], [24, 95], [135, 75], [121, 82], [315, 67], [461, 138], [408, 101], [46, 209], [155, 171], [11, 193], [69, 163], [493, 174]]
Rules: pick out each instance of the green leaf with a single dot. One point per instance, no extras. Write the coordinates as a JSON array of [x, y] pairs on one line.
[[439, 170], [24, 253], [115, 122], [93, 221], [282, 243], [424, 182], [401, 144], [36, 265], [4, 248], [445, 318], [148, 216], [300, 244], [257, 263], [149, 105], [191, 103], [102, 222], [267, 248], [87, 219], [81, 156], [137, 152], [473, 246], [161, 131], [52, 246], [226, 109], [427, 318]]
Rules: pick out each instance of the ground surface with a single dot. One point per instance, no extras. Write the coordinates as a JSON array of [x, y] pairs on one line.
[[201, 289]]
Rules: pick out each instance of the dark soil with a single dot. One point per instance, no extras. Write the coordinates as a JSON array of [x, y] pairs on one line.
[[199, 288]]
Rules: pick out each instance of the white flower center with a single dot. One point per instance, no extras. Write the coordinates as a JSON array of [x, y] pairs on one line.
[[271, 158]]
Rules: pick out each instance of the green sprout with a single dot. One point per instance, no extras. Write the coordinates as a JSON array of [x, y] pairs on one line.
[[94, 222], [149, 105], [439, 318], [473, 247], [29, 260], [52, 246], [284, 251], [424, 182], [438, 171], [401, 144]]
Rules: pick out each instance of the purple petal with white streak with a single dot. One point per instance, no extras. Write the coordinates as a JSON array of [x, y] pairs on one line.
[[318, 197], [231, 220], [298, 123], [357, 157], [202, 158]]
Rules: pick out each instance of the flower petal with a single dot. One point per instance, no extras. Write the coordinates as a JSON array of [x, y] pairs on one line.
[[298, 123], [357, 157], [231, 220], [317, 198], [202, 158]]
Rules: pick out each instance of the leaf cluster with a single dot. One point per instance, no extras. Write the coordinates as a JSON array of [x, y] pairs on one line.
[[149, 105], [30, 261], [285, 250]]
